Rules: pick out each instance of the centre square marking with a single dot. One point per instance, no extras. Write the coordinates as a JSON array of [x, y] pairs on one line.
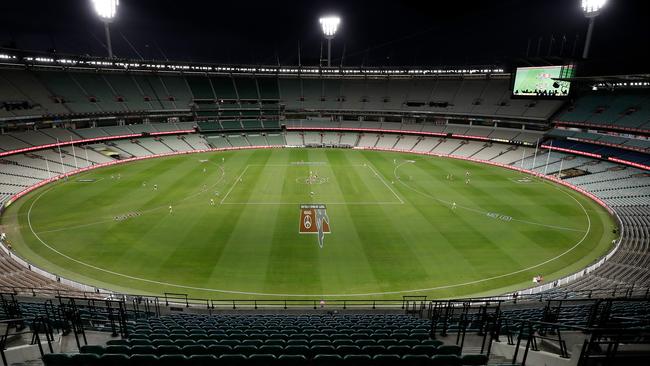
[[314, 220], [245, 195]]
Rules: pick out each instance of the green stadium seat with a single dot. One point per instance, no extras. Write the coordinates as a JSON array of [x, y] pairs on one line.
[[343, 342], [262, 359], [139, 342], [292, 360], [85, 359], [282, 342], [449, 350], [57, 359], [252, 342], [398, 350], [445, 360], [387, 342], [245, 350], [168, 349], [357, 360], [386, 360], [296, 350], [162, 342], [409, 342], [423, 349], [322, 350], [432, 342], [184, 342], [230, 342], [195, 349], [232, 360], [143, 360], [202, 360], [118, 342], [172, 360], [143, 350], [346, 349], [320, 342], [327, 360], [474, 360], [94, 349], [219, 349], [365, 342], [113, 359], [118, 350], [373, 350], [275, 350], [415, 360]]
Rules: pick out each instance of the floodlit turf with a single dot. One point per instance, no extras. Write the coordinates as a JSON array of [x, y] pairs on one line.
[[393, 229]]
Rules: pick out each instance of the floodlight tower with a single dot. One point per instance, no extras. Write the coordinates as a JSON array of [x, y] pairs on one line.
[[330, 24], [592, 9], [106, 10]]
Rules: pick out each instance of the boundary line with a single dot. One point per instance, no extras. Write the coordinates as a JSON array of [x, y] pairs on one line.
[[307, 295]]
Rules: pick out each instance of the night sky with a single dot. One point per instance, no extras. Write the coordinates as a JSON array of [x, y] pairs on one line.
[[378, 33]]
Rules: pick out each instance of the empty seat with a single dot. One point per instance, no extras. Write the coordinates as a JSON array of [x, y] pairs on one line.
[[449, 350], [113, 359], [143, 360], [386, 360], [445, 360], [474, 360], [327, 360]]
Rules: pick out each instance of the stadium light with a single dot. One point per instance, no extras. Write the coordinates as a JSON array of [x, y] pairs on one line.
[[107, 10], [592, 9], [330, 25]]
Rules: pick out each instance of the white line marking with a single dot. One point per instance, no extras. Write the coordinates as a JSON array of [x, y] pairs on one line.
[[310, 295], [449, 203], [381, 178], [112, 219], [376, 203], [234, 184]]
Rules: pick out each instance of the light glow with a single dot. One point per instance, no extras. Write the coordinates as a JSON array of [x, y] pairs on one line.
[[593, 7], [330, 24], [106, 9]]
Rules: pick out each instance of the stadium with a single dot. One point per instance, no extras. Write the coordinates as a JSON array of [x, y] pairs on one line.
[[162, 212]]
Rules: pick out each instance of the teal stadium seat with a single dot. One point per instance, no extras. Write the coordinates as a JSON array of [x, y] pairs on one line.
[[415, 360], [292, 360], [386, 360], [474, 360], [57, 359], [113, 359], [446, 360], [357, 360], [172, 360], [327, 360], [449, 350], [202, 360], [232, 360], [143, 360], [85, 359], [262, 359]]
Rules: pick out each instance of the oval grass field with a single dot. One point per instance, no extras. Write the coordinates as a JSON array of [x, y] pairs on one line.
[[400, 224]]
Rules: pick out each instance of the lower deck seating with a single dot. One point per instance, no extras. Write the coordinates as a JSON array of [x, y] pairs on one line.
[[366, 339]]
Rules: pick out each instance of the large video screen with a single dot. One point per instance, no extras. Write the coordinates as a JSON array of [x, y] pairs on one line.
[[542, 81]]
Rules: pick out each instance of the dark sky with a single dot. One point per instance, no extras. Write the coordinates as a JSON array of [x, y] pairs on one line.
[[412, 32]]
